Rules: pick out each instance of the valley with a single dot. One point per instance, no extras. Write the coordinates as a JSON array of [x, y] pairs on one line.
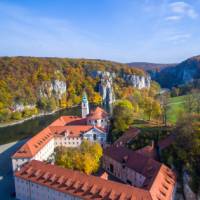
[[131, 95], [172, 75]]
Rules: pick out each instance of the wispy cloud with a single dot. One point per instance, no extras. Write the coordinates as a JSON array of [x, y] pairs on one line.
[[46, 36], [179, 37], [180, 10], [173, 18]]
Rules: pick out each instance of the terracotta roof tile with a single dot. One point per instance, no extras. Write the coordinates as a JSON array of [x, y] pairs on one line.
[[129, 135], [134, 160], [79, 184], [73, 131], [98, 113], [158, 177], [74, 125], [32, 146], [148, 151], [68, 120]]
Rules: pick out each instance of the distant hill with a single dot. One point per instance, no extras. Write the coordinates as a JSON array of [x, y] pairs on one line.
[[180, 74], [150, 66]]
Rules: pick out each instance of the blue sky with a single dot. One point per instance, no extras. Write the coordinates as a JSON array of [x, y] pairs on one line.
[[162, 31]]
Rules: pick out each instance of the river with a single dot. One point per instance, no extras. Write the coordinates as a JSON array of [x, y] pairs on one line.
[[32, 126]]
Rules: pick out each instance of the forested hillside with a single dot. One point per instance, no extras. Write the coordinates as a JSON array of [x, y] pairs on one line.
[[30, 84], [186, 72]]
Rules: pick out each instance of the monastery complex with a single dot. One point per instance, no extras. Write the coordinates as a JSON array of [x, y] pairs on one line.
[[138, 174]]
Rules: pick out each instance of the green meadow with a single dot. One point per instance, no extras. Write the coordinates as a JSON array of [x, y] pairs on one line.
[[176, 108]]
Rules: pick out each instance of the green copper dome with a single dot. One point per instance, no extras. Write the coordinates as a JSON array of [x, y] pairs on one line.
[[84, 98]]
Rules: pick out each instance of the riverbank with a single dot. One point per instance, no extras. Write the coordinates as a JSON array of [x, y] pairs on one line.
[[28, 128], [12, 123]]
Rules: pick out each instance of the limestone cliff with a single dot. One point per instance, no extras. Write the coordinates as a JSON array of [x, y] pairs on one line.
[[54, 88], [106, 89], [138, 81], [106, 83]]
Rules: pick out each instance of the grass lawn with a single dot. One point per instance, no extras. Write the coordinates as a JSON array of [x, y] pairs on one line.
[[176, 107]]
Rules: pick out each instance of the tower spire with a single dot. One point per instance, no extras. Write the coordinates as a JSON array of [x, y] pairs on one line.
[[85, 105]]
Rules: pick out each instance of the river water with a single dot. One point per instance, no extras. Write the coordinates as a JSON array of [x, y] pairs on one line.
[[32, 126]]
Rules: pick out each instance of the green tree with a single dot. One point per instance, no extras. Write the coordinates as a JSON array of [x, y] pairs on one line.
[[4, 115], [122, 117], [16, 115], [187, 145], [51, 104], [151, 108]]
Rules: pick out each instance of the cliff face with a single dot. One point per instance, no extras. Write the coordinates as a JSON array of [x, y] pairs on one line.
[[47, 83], [139, 82], [54, 88], [106, 83], [179, 74], [106, 88]]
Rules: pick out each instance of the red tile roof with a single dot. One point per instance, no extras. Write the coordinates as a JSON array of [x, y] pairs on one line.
[[158, 176], [148, 151], [35, 144], [74, 131], [129, 135], [163, 184], [79, 184], [71, 124], [98, 113], [69, 120], [134, 160]]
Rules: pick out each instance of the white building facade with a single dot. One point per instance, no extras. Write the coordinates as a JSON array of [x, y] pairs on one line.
[[27, 190]]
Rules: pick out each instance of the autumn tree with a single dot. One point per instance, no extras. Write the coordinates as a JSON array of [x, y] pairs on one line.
[[151, 108], [196, 98], [85, 158], [164, 101], [187, 145], [189, 103], [175, 92]]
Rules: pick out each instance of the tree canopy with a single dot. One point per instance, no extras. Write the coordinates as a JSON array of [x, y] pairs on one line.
[[187, 145], [122, 117], [20, 78], [85, 158]]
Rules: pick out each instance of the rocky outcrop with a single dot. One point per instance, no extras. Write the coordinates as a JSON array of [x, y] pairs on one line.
[[54, 88], [19, 107], [136, 81], [100, 74], [106, 83], [106, 89]]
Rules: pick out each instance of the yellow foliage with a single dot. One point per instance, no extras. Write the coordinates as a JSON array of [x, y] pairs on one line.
[[85, 158]]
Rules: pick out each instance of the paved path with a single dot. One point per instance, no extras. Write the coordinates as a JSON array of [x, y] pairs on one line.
[[6, 177]]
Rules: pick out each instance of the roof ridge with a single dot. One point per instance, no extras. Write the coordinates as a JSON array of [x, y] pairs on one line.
[[78, 180]]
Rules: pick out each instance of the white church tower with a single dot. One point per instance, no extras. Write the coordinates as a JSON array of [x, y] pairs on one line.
[[85, 106]]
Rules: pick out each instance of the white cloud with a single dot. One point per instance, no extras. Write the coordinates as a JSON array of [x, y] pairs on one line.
[[182, 9], [173, 18], [178, 37]]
